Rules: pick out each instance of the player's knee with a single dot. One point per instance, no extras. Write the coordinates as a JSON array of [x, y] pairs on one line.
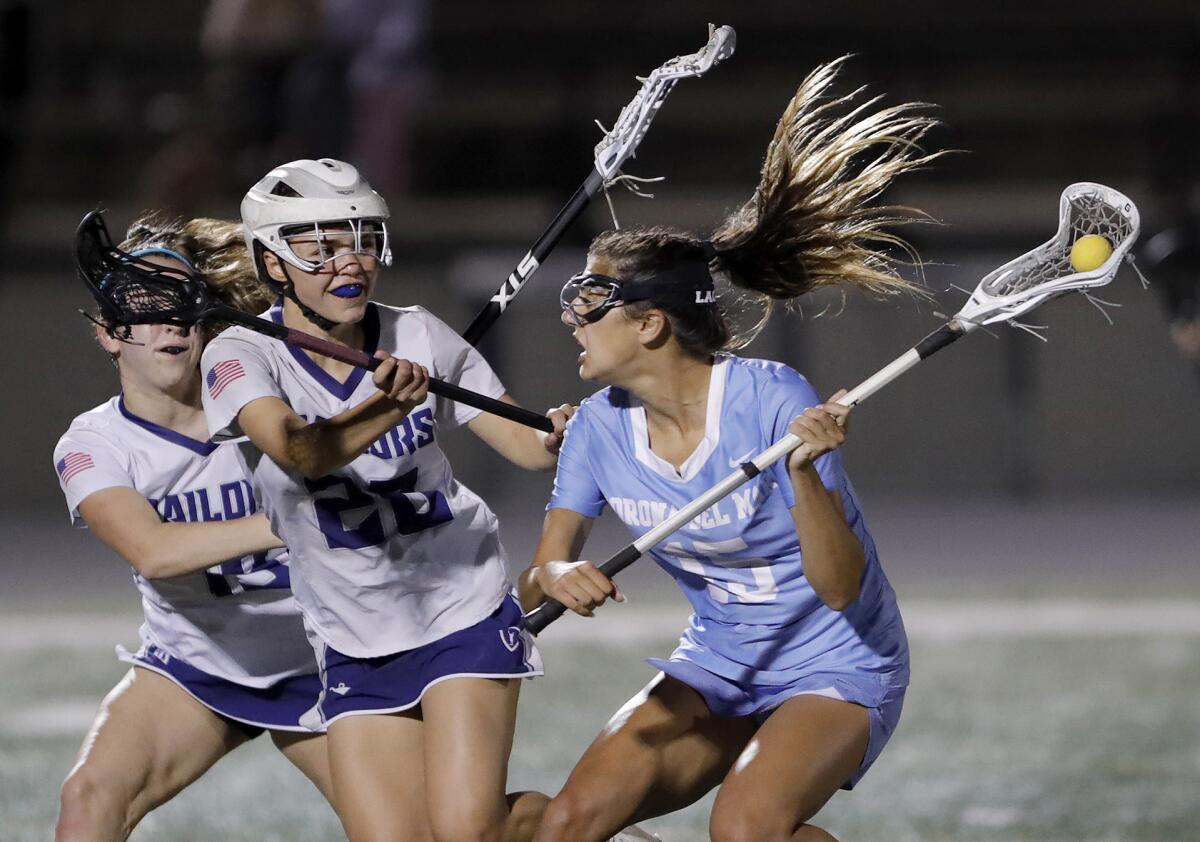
[[733, 824], [80, 796], [87, 808], [565, 817], [525, 811]]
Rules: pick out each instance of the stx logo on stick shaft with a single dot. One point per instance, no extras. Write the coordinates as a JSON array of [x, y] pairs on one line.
[[516, 280]]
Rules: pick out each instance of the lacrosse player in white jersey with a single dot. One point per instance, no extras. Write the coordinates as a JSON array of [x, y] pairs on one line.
[[396, 566], [224, 654]]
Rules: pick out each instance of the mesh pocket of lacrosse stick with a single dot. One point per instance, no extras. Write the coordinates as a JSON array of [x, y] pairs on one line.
[[1046, 271], [130, 290]]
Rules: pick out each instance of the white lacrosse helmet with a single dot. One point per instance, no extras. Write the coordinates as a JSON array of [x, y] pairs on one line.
[[296, 209]]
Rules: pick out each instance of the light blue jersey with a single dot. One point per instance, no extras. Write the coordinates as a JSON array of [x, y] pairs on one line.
[[756, 619]]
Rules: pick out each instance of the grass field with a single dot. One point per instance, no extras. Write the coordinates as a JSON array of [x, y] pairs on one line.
[[1019, 726], [1054, 691]]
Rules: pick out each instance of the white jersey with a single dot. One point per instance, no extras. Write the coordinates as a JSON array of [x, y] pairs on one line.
[[389, 552], [238, 620]]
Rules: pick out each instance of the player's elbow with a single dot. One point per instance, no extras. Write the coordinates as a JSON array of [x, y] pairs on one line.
[[161, 552], [306, 459], [299, 447], [313, 470], [842, 590], [150, 562], [526, 450], [539, 460], [841, 597]]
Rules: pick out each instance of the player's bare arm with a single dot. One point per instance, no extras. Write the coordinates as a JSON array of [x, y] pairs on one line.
[[124, 520], [833, 557], [525, 447], [556, 573], [316, 449]]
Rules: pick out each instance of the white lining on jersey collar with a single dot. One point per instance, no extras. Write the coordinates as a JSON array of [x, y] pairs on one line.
[[712, 431]]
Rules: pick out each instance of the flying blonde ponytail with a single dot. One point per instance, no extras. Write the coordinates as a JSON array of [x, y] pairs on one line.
[[812, 221]]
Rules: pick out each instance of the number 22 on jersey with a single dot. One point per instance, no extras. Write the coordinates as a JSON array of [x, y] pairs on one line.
[[352, 517]]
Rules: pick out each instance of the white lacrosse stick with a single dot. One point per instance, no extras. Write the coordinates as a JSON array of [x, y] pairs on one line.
[[622, 139], [615, 148], [1015, 288]]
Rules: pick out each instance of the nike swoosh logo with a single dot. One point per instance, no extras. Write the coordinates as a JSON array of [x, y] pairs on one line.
[[341, 689], [734, 463]]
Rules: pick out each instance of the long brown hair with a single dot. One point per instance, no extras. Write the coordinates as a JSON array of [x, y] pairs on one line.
[[217, 252], [216, 248], [224, 261], [811, 222]]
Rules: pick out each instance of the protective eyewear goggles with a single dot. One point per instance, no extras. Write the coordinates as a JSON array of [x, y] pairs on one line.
[[588, 296], [314, 245]]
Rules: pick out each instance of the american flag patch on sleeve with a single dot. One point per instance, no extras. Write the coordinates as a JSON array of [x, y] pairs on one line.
[[221, 375], [72, 464]]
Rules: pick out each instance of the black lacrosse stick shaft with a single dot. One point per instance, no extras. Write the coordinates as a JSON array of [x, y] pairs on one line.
[[129, 290], [533, 259], [354, 357], [550, 610]]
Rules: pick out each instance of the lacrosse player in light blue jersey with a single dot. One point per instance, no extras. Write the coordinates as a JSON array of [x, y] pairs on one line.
[[791, 675]]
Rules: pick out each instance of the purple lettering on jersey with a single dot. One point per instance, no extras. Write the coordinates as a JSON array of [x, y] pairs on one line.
[[233, 500], [190, 497], [261, 571], [205, 513], [393, 436], [196, 505], [405, 438], [380, 448], [406, 441], [413, 511], [423, 423], [172, 511]]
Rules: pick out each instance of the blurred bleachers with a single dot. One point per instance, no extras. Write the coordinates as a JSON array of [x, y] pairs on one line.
[[1037, 95]]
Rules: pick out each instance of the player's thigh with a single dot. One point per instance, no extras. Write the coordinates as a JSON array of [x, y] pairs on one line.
[[660, 752], [469, 724], [310, 754], [377, 766], [150, 739], [805, 751]]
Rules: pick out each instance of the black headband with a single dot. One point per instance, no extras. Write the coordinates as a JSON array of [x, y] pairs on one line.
[[689, 283]]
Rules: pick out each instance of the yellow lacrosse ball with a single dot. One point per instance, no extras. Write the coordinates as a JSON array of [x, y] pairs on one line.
[[1089, 252]]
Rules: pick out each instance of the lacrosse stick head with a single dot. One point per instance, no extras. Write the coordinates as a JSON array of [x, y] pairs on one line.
[[1045, 272], [722, 41], [131, 290], [619, 142]]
